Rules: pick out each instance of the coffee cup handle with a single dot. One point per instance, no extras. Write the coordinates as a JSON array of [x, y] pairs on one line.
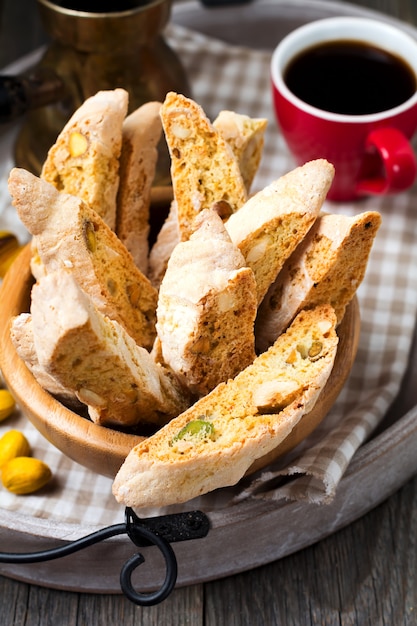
[[394, 153]]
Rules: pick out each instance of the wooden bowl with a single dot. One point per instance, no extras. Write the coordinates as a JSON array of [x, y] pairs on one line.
[[102, 449]]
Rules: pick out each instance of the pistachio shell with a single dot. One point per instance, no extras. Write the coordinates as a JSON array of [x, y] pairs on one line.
[[9, 249], [25, 474], [13, 444], [7, 404]]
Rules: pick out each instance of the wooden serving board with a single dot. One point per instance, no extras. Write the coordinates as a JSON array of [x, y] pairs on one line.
[[250, 533]]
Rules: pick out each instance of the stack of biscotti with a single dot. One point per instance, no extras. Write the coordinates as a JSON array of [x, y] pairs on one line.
[[96, 143], [178, 338]]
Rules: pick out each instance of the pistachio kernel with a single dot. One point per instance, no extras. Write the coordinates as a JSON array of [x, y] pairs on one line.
[[77, 144], [90, 236], [197, 429], [112, 286], [133, 292], [315, 350]]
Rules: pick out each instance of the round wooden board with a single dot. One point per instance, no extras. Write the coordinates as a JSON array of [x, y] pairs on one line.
[[249, 533]]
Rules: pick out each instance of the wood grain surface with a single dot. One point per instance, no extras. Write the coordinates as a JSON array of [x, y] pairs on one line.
[[363, 575]]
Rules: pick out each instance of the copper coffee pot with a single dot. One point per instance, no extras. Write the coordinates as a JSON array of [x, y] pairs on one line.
[[121, 44]]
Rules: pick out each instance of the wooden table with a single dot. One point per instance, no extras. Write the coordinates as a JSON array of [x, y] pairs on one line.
[[365, 574]]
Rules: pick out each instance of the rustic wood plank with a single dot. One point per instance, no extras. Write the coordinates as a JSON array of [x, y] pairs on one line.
[[183, 608], [29, 605], [13, 601], [49, 608], [364, 574]]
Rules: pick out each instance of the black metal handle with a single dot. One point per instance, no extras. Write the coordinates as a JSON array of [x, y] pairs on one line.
[[171, 570], [158, 531]]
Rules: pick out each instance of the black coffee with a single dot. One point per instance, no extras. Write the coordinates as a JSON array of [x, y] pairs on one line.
[[350, 77]]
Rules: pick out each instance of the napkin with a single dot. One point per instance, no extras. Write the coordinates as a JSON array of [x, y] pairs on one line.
[[237, 78]]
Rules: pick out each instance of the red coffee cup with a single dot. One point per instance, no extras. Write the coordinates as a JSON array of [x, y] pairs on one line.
[[370, 148]]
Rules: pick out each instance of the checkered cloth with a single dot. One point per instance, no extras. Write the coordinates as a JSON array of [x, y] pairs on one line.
[[226, 77]]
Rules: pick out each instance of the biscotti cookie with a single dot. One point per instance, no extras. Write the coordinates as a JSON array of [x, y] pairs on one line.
[[167, 239], [21, 334], [214, 443], [69, 234], [270, 225], [142, 130], [327, 267], [84, 161], [204, 170], [246, 136], [206, 308], [36, 267], [94, 358]]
